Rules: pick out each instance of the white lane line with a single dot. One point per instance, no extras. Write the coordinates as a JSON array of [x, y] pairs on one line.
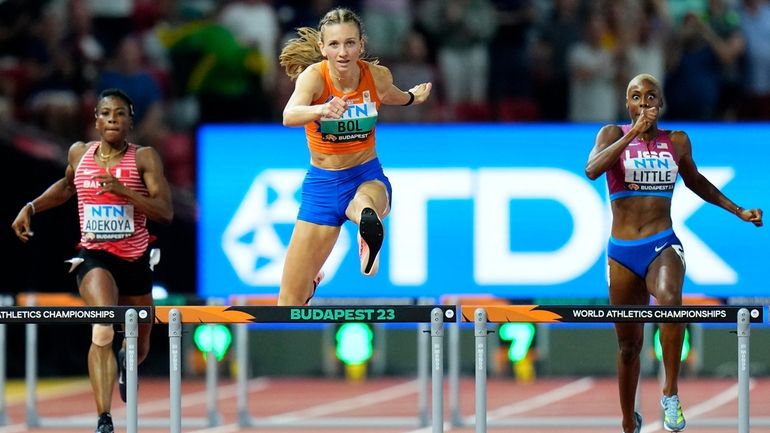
[[544, 399], [14, 428], [446, 427], [225, 428], [196, 398], [159, 405], [359, 401]]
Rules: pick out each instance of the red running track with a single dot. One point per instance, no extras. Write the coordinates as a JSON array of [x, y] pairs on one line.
[[308, 399]]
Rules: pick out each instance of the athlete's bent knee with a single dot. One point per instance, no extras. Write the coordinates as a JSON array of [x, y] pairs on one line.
[[102, 335], [629, 352]]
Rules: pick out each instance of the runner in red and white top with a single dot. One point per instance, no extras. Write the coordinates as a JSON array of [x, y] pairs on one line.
[[119, 186], [109, 221]]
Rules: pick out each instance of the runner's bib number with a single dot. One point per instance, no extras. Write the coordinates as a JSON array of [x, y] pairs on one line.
[[107, 222]]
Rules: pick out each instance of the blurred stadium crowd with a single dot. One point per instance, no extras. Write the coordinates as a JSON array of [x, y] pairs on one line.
[[191, 62]]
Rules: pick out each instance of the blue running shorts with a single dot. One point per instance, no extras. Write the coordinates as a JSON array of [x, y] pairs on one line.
[[327, 193], [637, 254]]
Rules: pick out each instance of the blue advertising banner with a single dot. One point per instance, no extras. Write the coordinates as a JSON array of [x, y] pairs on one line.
[[491, 209]]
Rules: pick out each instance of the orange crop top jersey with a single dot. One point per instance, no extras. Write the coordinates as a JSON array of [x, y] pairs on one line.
[[354, 131]]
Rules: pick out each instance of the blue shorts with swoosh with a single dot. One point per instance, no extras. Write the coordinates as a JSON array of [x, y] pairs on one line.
[[637, 254]]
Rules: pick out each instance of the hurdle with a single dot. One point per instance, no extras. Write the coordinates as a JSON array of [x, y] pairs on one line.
[[245, 419], [129, 316], [5, 301], [433, 314], [481, 300], [34, 419], [742, 316], [453, 349]]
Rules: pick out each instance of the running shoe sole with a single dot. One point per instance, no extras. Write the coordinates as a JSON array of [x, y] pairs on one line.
[[371, 232]]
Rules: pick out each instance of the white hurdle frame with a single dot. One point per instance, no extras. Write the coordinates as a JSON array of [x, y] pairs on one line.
[[31, 315], [34, 419], [175, 319], [744, 317], [5, 301]]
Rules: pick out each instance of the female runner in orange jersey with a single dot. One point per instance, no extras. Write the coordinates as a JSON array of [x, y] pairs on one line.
[[336, 98]]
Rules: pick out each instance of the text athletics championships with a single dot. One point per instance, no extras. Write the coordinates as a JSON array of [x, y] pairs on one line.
[[57, 314]]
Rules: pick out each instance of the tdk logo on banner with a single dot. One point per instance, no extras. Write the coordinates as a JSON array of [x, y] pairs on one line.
[[256, 238]]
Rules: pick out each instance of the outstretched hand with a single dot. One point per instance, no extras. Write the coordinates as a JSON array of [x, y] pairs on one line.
[[421, 92], [22, 225], [753, 216]]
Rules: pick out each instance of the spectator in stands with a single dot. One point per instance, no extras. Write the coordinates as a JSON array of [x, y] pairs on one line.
[[593, 69], [755, 24], [722, 31], [225, 77], [112, 21], [388, 23], [463, 29], [553, 40], [53, 82], [113, 266], [254, 24], [126, 71], [693, 82], [510, 82], [411, 66], [649, 31]]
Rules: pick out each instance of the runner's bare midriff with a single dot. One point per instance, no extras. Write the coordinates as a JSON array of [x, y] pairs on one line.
[[640, 217], [341, 161]]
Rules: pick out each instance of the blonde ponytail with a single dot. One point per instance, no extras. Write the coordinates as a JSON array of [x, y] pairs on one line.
[[301, 52]]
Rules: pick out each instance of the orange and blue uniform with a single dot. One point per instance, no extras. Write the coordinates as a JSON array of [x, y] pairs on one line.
[[327, 193]]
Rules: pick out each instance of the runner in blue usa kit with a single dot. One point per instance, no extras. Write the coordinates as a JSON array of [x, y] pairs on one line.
[[645, 257]]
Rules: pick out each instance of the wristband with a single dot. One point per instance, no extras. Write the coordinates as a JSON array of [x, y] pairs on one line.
[[738, 210], [32, 205], [411, 98]]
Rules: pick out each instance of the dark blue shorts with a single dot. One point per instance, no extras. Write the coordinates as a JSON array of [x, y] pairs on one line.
[[327, 193], [637, 254], [132, 278]]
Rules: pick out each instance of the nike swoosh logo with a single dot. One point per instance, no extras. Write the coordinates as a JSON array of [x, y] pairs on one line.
[[657, 249], [88, 171]]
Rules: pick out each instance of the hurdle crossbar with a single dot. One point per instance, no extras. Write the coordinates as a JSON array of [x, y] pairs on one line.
[[36, 308], [434, 315], [742, 316], [33, 315]]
